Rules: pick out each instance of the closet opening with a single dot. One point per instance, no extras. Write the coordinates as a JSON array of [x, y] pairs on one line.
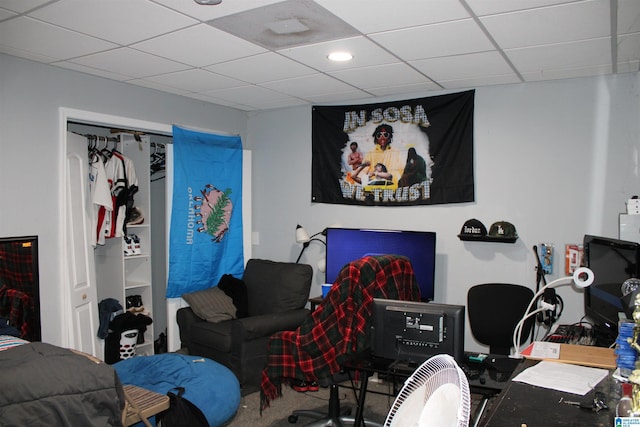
[[149, 217]]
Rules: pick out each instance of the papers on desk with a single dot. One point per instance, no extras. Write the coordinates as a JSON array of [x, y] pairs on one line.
[[542, 350], [563, 377]]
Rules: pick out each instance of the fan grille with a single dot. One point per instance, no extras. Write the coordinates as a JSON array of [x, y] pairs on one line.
[[436, 394]]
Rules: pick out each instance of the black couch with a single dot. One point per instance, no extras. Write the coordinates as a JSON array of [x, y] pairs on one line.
[[277, 293]]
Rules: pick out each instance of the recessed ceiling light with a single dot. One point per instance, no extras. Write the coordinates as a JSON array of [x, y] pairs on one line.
[[208, 2], [340, 56]]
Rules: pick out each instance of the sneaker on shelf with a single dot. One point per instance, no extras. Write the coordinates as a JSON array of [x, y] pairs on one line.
[[128, 246], [136, 216], [135, 242]]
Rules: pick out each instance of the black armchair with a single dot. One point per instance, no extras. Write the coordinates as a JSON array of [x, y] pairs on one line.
[[277, 293]]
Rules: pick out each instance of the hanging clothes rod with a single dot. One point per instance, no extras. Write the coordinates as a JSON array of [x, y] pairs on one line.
[[98, 138]]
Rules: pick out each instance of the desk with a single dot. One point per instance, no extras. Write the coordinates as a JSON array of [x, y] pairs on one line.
[[398, 372], [523, 404], [314, 302]]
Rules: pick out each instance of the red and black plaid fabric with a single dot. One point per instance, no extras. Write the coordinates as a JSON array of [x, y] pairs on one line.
[[339, 328], [17, 306]]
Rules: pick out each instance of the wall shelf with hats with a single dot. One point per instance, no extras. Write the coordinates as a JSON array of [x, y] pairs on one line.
[[488, 239], [500, 232]]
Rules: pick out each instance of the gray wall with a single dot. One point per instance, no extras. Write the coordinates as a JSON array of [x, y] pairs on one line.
[[557, 159], [31, 153]]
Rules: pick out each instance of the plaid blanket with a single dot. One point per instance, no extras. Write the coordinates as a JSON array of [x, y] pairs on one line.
[[339, 328], [17, 306]]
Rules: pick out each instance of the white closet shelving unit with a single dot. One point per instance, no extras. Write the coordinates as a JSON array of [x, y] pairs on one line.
[[119, 275]]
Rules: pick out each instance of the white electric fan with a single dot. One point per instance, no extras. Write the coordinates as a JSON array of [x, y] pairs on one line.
[[436, 395]]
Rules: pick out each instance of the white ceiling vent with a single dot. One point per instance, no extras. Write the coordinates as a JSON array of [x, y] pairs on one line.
[[286, 24]]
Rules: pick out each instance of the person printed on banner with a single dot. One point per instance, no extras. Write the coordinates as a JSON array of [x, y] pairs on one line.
[[415, 170], [383, 153], [355, 156]]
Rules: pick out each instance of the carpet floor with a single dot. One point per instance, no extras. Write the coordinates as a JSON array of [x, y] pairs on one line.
[[377, 405]]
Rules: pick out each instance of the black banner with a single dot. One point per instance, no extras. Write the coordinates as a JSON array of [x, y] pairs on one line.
[[411, 152]]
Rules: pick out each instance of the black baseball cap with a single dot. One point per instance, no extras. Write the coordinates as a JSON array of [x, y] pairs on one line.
[[473, 229]]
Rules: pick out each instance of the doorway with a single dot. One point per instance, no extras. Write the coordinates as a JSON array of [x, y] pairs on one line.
[[88, 123], [161, 207]]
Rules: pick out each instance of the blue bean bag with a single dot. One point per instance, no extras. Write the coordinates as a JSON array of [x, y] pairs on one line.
[[212, 387]]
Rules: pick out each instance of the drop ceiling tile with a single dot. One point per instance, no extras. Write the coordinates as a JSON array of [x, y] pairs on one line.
[[195, 80], [21, 6], [93, 71], [339, 97], [156, 86], [484, 7], [391, 15], [26, 54], [209, 12], [556, 24], [47, 40], [207, 98], [481, 64], [629, 67], [278, 103], [199, 46], [628, 16], [561, 56], [257, 25], [136, 19], [566, 73], [629, 48], [265, 67], [248, 95], [472, 82], [130, 62], [461, 37], [304, 87], [365, 53], [377, 76], [6, 14], [411, 89]]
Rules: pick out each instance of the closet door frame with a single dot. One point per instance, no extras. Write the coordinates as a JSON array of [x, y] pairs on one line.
[[92, 118], [70, 330]]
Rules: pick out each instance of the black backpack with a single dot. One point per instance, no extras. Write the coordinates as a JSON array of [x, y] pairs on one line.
[[181, 412]]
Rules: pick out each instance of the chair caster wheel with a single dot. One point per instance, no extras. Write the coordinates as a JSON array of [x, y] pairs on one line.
[[293, 419]]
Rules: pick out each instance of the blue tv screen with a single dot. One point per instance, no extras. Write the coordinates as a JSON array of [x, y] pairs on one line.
[[345, 245]]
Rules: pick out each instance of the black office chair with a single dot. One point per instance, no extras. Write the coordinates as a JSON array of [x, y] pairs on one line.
[[494, 309]]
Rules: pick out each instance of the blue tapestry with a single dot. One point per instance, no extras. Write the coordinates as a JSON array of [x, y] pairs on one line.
[[205, 239]]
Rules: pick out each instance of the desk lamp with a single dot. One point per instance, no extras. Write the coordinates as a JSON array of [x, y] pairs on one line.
[[303, 237], [582, 278]]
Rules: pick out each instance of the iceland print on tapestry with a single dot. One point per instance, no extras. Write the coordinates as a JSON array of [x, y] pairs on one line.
[[402, 153]]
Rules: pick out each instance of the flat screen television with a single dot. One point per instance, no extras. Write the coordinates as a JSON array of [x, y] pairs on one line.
[[345, 245], [612, 261], [409, 331]]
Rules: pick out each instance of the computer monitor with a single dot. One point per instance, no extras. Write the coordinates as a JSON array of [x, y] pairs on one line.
[[412, 332], [345, 245], [612, 261]]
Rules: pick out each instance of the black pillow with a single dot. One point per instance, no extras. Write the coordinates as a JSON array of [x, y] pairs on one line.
[[237, 291]]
